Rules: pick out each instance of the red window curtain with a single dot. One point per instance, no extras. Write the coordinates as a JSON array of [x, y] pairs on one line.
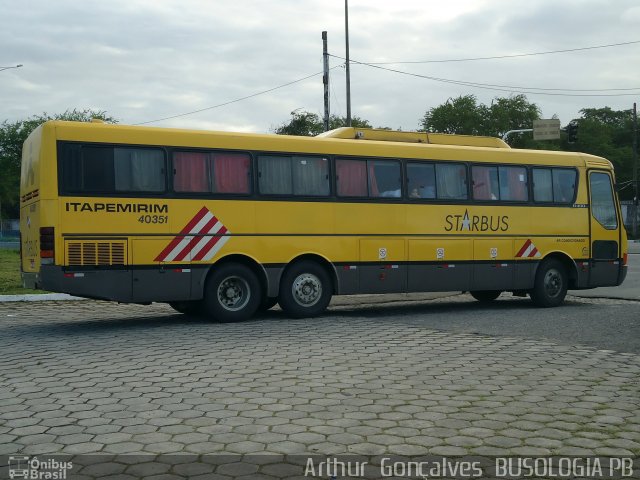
[[231, 173], [517, 184], [352, 178], [190, 172], [481, 183]]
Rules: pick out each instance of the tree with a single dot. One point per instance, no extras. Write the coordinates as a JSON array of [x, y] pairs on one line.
[[356, 122], [12, 136], [465, 116], [607, 133], [510, 113], [461, 115], [310, 124], [302, 123]]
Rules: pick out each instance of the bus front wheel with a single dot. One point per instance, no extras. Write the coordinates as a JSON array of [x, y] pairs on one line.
[[550, 285], [232, 293], [305, 290], [485, 296]]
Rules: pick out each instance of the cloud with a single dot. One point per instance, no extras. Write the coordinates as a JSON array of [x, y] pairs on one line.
[[142, 60]]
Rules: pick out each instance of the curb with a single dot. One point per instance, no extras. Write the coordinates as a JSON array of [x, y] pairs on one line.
[[39, 297]]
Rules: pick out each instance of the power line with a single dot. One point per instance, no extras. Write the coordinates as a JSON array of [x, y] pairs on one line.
[[486, 86], [500, 57], [509, 88], [236, 100]]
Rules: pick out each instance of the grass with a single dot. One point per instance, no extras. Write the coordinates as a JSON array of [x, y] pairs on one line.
[[10, 282]]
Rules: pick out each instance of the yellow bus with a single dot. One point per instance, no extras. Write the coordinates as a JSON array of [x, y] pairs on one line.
[[230, 223]]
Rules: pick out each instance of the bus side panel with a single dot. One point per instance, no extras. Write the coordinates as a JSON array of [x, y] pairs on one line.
[[383, 268], [439, 265], [157, 282], [493, 267]]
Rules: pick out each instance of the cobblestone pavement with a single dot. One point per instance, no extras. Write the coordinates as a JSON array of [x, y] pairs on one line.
[[95, 377]]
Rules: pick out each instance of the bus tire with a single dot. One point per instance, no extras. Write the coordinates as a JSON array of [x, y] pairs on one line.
[[232, 293], [550, 285], [188, 307], [485, 296], [305, 290]]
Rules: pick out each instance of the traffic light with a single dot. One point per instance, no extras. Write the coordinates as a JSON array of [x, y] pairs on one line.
[[572, 132]]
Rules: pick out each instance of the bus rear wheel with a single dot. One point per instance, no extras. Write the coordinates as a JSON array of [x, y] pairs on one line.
[[305, 290], [232, 293], [550, 285], [485, 296]]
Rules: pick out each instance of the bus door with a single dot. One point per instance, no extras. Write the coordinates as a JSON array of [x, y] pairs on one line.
[[605, 231]]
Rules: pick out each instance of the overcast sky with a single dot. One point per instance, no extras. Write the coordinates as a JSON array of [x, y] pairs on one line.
[[143, 60]]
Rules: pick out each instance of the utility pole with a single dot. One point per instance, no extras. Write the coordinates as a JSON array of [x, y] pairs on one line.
[[634, 209], [325, 80], [346, 34]]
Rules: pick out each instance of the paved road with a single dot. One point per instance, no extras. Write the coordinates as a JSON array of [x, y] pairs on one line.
[[444, 377], [405, 375], [609, 324]]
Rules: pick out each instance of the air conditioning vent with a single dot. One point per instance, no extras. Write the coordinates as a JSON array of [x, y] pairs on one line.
[[94, 253]]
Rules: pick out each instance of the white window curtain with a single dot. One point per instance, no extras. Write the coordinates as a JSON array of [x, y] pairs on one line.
[[451, 180], [310, 176], [139, 170], [275, 175]]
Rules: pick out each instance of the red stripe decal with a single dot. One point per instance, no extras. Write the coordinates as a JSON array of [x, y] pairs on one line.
[[210, 244], [194, 241], [192, 223], [533, 252], [524, 248]]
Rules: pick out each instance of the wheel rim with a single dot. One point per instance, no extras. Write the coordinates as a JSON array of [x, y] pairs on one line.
[[234, 293], [553, 283], [306, 289]]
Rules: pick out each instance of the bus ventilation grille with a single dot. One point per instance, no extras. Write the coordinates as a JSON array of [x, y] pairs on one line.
[[96, 253]]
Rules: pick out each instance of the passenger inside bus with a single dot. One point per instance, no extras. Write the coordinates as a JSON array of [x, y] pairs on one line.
[[422, 181]]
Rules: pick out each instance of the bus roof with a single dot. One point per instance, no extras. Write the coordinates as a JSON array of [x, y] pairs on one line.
[[413, 137], [346, 141]]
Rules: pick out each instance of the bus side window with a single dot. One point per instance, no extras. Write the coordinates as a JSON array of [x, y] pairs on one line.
[[293, 175], [564, 184], [351, 178], [230, 172], [191, 172], [485, 183], [107, 169], [513, 184], [384, 178], [421, 180], [542, 185], [310, 176], [274, 175], [139, 169], [451, 181]]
